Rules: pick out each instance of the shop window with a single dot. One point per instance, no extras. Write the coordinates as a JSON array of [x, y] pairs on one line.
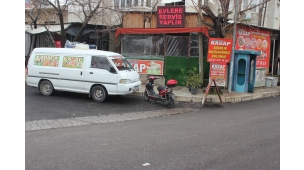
[[194, 51], [142, 46], [177, 46]]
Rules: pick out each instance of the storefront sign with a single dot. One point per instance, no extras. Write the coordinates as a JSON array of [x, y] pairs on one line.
[[257, 40], [154, 67], [219, 50], [170, 16], [218, 73]]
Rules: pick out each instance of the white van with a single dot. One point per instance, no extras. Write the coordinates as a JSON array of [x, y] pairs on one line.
[[94, 72]]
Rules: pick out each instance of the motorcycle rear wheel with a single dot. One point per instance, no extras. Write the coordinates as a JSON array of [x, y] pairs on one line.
[[170, 102], [146, 96]]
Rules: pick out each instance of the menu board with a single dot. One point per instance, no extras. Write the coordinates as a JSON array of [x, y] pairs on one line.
[[218, 73], [254, 39]]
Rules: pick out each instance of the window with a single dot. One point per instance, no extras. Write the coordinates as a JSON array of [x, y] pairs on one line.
[[122, 64], [251, 3], [100, 63], [116, 4], [129, 3], [123, 4], [137, 46], [194, 45], [135, 2], [148, 3]]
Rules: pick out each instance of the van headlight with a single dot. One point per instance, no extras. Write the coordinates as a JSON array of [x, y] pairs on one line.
[[124, 81]]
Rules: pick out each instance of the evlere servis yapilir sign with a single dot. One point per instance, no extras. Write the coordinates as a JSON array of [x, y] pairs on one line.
[[171, 16]]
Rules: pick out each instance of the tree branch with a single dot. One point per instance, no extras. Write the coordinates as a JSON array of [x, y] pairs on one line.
[[254, 6]]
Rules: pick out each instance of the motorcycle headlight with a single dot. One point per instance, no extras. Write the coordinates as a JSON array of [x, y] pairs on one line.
[[124, 81]]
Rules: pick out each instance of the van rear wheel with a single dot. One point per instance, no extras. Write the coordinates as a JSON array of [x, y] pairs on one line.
[[46, 88], [98, 94]]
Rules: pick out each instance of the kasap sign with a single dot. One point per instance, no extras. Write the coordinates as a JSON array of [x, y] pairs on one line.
[[219, 50]]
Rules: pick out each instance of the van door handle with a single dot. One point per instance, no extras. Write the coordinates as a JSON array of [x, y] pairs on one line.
[[81, 73], [91, 72]]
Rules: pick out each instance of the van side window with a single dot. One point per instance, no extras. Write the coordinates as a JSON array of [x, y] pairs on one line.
[[100, 62]]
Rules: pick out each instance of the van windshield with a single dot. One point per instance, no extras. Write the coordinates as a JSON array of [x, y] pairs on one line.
[[122, 64]]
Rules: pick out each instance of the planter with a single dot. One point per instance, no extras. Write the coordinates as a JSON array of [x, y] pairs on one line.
[[194, 90]]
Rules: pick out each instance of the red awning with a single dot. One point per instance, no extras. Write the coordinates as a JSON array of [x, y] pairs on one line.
[[203, 30]]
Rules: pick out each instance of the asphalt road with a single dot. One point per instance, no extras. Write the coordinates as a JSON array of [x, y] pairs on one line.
[[239, 136], [72, 105]]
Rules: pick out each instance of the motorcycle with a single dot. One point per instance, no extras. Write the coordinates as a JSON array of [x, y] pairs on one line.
[[165, 93]]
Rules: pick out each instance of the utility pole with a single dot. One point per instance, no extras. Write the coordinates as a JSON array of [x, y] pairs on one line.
[[200, 41], [233, 46]]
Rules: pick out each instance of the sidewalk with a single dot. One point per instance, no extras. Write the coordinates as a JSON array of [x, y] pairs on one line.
[[183, 94]]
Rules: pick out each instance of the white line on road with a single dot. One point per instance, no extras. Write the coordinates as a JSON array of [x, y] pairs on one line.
[[79, 121]]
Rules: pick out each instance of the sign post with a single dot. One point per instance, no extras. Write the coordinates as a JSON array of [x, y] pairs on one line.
[[207, 91]]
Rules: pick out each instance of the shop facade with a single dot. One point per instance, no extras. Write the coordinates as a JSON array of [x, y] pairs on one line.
[[166, 46]]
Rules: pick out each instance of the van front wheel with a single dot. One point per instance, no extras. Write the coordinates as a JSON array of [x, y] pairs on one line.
[[46, 88], [98, 94]]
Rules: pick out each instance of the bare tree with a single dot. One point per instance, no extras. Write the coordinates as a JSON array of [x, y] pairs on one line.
[[60, 9], [88, 9], [33, 13], [220, 21]]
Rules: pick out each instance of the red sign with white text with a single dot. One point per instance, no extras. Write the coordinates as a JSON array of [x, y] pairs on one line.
[[170, 16], [254, 39], [219, 50]]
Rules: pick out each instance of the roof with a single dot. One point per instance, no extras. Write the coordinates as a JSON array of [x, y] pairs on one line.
[[72, 50], [240, 23], [51, 28]]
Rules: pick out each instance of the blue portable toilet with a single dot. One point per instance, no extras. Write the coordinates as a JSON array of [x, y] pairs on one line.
[[244, 70]]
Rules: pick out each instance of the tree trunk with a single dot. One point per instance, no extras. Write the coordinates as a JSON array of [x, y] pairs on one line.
[[63, 36]]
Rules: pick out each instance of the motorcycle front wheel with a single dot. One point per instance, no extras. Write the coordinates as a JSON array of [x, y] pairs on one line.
[[146, 96], [170, 102]]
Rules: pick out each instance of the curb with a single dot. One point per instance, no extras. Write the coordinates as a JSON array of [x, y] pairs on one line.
[[241, 97]]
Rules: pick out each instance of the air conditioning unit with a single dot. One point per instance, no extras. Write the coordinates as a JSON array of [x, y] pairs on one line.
[[247, 15]]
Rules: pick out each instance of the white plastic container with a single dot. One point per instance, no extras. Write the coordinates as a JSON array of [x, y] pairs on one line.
[[274, 81], [269, 81]]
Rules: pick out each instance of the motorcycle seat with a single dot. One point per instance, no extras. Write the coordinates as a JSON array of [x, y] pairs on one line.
[[159, 88]]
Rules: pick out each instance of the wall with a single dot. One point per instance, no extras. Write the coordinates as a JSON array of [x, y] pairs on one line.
[[46, 14], [273, 14]]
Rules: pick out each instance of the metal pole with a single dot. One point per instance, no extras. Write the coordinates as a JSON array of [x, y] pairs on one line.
[[233, 46], [200, 42], [273, 56]]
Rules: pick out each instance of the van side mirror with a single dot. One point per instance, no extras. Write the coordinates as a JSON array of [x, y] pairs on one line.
[[112, 70]]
